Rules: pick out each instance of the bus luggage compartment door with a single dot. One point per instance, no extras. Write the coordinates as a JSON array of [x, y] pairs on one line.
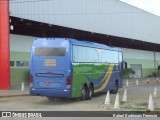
[[49, 79]]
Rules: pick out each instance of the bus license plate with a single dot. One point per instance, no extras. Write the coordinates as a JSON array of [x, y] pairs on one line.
[[47, 84]]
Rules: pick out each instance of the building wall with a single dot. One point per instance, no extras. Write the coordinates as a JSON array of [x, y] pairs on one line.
[[21, 43], [110, 17], [20, 48], [145, 58]]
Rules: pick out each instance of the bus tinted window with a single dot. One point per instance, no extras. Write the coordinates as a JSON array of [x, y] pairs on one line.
[[95, 55], [84, 54], [50, 51], [120, 57]]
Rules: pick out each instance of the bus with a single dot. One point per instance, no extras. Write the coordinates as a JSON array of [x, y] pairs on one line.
[[65, 67]]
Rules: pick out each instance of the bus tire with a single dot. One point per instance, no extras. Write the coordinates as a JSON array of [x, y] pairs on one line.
[[115, 89], [84, 93], [90, 92]]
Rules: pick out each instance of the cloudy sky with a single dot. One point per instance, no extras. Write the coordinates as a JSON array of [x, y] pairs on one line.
[[152, 6]]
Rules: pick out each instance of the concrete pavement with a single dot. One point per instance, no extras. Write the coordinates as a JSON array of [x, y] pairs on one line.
[[13, 93]]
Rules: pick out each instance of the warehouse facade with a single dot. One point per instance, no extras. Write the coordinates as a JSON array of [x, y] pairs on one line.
[[109, 22]]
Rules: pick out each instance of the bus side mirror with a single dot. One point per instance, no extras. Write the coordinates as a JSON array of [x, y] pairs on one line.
[[124, 65]]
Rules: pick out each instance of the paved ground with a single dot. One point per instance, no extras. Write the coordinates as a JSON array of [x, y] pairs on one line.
[[138, 96]]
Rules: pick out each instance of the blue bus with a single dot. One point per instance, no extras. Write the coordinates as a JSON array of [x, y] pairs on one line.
[[64, 67]]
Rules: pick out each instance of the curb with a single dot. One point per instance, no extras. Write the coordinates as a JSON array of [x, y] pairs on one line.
[[13, 93], [145, 81], [6, 96]]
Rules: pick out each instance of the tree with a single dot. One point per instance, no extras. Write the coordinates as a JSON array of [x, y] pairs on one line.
[[128, 73]]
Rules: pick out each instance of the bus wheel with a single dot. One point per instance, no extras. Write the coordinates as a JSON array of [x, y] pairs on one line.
[[84, 93], [90, 92], [115, 89]]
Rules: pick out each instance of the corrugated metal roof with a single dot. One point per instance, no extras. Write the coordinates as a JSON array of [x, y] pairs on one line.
[[110, 17]]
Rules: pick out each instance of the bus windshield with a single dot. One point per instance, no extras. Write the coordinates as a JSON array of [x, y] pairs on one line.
[[41, 51]]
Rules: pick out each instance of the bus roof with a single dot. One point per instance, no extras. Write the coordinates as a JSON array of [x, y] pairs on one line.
[[83, 43]]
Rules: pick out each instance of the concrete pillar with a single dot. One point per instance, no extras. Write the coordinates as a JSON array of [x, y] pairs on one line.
[[4, 46]]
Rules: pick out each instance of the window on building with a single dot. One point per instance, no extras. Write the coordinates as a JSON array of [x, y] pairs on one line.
[[22, 63], [11, 63]]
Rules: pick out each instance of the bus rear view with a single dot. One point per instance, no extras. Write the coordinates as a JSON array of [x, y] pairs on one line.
[[50, 73]]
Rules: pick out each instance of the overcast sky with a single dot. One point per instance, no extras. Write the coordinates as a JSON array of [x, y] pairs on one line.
[[152, 6]]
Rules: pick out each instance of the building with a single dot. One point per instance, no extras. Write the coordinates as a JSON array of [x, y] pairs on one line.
[[109, 22]]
